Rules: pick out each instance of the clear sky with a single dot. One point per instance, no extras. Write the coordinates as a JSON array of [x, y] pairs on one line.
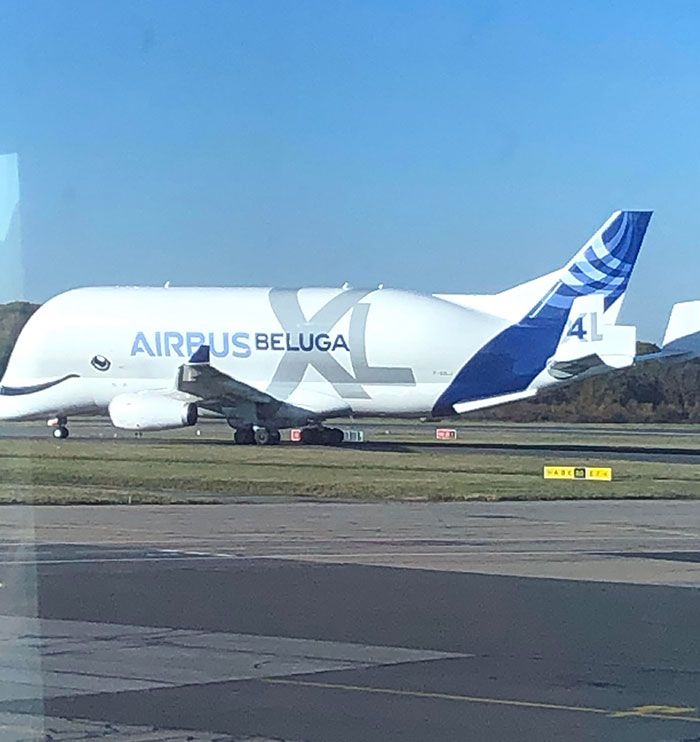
[[461, 147]]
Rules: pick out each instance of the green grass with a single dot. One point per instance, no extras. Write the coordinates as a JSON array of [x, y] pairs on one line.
[[179, 471]]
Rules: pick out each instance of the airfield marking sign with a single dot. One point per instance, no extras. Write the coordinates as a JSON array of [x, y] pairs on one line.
[[596, 473]]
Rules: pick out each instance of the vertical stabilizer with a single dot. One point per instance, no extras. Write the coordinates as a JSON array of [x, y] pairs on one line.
[[11, 268], [567, 322], [603, 266]]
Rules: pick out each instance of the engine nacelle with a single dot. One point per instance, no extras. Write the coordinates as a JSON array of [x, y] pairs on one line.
[[151, 412]]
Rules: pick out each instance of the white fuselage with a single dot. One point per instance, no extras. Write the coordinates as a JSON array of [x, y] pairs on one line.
[[374, 352]]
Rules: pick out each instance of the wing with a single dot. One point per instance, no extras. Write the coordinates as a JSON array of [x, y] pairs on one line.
[[244, 404], [200, 379]]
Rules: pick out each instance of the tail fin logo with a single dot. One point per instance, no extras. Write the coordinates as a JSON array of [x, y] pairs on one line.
[[603, 266]]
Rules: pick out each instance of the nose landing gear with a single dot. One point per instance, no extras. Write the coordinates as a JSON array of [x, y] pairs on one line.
[[59, 425]]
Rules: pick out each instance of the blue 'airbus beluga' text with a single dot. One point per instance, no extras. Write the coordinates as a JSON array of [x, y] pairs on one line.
[[236, 344]]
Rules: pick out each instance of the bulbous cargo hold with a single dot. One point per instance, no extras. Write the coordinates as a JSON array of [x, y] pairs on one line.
[[356, 346]]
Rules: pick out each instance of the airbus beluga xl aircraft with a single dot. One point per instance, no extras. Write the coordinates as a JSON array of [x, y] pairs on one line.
[[265, 359]]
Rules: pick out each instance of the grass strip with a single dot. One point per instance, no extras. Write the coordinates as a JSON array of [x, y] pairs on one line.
[[37, 471]]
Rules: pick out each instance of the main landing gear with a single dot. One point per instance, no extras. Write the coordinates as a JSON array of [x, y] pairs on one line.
[[59, 425], [322, 436], [262, 436], [256, 436]]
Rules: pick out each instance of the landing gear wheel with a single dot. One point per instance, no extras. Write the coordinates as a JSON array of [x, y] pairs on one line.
[[61, 432], [322, 436], [311, 436], [267, 436], [243, 436], [334, 436]]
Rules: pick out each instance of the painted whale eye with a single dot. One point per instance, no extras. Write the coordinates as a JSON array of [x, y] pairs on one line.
[[100, 363]]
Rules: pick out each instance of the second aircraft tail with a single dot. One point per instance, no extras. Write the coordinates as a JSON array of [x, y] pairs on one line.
[[682, 337]]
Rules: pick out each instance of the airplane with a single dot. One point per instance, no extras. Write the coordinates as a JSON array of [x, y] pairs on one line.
[[266, 359]]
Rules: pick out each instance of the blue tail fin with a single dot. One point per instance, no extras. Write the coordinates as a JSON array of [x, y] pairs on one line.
[[511, 361], [602, 266]]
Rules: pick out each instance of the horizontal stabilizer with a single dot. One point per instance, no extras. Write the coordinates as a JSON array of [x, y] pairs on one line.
[[566, 370], [590, 344], [480, 404]]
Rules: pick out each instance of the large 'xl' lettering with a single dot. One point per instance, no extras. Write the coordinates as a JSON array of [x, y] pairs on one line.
[[292, 366]]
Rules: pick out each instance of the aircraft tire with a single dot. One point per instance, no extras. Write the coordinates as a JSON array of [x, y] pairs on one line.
[[243, 437], [263, 436], [334, 436], [311, 436], [322, 436], [61, 432]]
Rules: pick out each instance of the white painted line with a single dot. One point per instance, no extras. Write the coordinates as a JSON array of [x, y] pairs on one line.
[[176, 555], [203, 554], [106, 560]]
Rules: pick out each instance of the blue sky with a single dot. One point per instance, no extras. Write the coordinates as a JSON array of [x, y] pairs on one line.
[[459, 147]]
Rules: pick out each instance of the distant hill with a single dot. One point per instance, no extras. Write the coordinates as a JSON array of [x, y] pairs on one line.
[[650, 392]]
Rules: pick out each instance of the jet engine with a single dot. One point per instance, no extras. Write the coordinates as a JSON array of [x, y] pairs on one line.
[[150, 411]]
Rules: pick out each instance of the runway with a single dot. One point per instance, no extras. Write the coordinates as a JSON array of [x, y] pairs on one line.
[[96, 427], [309, 621], [673, 444]]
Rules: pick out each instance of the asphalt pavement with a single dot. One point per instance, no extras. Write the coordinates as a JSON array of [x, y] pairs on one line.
[[310, 621]]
